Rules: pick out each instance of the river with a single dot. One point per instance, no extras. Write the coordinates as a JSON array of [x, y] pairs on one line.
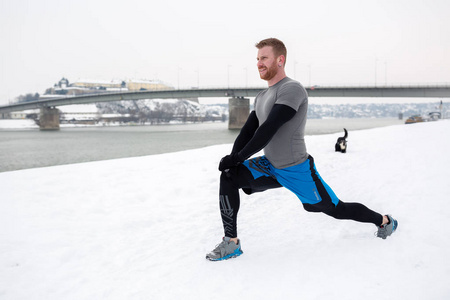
[[24, 148]]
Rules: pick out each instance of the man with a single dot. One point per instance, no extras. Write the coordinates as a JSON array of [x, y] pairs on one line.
[[277, 125]]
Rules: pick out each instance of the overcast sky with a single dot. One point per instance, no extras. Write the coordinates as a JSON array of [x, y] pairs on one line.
[[207, 43]]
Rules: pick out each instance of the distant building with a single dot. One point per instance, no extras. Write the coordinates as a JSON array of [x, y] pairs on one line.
[[5, 115], [99, 85], [18, 115], [84, 86], [14, 115], [147, 85], [63, 83]]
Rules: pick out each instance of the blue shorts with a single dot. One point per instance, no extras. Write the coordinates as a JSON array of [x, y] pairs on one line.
[[302, 179]]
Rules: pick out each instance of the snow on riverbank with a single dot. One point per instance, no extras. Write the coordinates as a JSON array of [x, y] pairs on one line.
[[18, 124], [139, 228]]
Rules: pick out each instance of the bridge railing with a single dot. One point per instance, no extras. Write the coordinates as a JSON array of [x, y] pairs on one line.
[[406, 90]]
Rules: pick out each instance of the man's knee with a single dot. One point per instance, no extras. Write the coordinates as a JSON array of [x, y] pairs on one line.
[[237, 177], [230, 177]]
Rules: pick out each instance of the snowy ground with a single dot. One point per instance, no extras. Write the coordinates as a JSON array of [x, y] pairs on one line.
[[139, 228], [18, 124]]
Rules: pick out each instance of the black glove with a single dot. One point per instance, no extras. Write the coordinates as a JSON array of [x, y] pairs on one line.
[[229, 161]]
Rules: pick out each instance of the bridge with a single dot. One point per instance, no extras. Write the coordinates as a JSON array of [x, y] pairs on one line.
[[238, 103]]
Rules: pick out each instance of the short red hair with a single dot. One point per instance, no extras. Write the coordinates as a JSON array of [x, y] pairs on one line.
[[278, 47]]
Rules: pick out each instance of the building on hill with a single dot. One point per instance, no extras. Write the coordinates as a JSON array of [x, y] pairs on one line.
[[146, 85], [85, 86], [100, 85]]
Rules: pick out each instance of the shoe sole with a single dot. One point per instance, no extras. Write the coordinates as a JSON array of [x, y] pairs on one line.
[[229, 256]]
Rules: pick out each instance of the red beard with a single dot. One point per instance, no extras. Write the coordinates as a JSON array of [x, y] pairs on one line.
[[270, 73]]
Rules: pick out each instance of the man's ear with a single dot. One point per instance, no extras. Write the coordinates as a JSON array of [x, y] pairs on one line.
[[280, 61]]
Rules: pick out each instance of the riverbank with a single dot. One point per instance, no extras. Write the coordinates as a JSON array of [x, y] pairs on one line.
[[139, 228], [24, 146], [314, 126]]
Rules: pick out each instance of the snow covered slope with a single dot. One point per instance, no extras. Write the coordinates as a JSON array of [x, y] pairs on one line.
[[139, 228]]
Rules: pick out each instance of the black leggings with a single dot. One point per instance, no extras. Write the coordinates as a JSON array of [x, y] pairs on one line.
[[350, 211], [241, 178]]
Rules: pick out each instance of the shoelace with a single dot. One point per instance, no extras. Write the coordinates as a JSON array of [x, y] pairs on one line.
[[219, 246]]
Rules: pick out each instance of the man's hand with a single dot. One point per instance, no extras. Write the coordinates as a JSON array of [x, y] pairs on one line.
[[229, 161]]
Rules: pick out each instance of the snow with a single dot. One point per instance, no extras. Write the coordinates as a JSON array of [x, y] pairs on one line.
[[139, 228], [17, 124]]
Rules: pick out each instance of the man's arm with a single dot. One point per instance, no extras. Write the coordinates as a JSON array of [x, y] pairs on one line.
[[246, 133], [278, 116]]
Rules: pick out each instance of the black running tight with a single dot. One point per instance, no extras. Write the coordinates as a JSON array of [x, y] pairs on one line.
[[350, 211], [241, 178]]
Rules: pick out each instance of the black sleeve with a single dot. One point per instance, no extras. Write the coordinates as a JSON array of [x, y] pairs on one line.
[[279, 115], [246, 133]]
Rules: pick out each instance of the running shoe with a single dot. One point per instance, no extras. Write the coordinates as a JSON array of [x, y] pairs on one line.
[[225, 250], [387, 229]]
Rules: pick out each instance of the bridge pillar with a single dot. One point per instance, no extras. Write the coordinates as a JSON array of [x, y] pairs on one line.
[[239, 109], [49, 118]]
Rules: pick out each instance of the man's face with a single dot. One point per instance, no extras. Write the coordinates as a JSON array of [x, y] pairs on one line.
[[267, 63]]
